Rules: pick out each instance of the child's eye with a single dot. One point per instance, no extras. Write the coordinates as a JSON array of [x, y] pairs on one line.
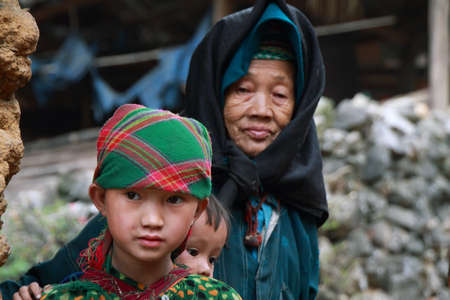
[[192, 251], [175, 199], [212, 260], [133, 196]]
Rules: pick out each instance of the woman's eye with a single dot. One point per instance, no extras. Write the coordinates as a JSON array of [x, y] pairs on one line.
[[175, 200], [242, 90], [133, 196], [192, 251], [212, 260], [279, 95]]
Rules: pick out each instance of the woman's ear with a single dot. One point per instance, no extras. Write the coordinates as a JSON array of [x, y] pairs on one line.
[[201, 207], [97, 195]]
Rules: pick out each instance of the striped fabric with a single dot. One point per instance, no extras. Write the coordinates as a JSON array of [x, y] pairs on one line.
[[139, 147], [273, 52]]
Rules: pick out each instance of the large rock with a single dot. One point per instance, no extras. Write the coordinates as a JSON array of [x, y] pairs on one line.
[[403, 274], [406, 218], [18, 35], [378, 161], [383, 135], [372, 204], [406, 192], [345, 215], [376, 267], [352, 114]]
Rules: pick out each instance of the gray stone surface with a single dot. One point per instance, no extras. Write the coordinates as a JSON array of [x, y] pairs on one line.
[[378, 161], [350, 116], [404, 217], [389, 200]]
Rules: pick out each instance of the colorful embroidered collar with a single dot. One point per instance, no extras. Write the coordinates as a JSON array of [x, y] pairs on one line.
[[114, 282]]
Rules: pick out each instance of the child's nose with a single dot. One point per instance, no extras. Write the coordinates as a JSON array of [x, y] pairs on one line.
[[205, 269], [152, 217]]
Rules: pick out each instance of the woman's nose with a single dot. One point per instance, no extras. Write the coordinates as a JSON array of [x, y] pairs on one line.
[[260, 106]]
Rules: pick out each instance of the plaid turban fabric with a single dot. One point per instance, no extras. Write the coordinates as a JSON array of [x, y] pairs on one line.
[[139, 147], [274, 50]]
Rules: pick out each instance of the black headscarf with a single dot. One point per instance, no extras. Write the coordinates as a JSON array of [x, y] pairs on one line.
[[291, 167]]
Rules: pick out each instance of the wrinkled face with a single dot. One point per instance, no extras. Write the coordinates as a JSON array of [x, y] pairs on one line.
[[260, 105], [203, 247], [146, 224]]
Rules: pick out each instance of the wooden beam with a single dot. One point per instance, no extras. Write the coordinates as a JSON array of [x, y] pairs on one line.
[[355, 25], [438, 72], [126, 59]]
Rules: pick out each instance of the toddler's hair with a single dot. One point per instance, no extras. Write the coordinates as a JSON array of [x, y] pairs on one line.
[[216, 213]]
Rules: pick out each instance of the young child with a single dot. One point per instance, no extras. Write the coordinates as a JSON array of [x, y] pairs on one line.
[[206, 241], [208, 237], [152, 181]]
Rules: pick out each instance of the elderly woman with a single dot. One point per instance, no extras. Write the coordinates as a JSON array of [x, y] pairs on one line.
[[255, 81]]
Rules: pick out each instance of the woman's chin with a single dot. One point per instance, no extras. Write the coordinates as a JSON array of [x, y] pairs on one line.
[[252, 149]]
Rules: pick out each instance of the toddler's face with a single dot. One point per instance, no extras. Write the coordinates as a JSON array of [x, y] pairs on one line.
[[203, 247]]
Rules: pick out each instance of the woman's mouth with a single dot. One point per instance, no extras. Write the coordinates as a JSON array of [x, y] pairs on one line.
[[257, 133]]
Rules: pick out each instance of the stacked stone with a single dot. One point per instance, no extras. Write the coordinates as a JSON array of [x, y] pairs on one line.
[[18, 39], [387, 172]]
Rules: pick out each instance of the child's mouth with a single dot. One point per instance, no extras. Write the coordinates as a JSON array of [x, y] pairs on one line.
[[150, 241]]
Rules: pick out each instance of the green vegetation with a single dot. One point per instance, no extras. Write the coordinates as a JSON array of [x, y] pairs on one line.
[[35, 234]]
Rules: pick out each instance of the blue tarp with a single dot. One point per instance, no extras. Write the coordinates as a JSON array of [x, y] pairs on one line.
[[69, 65], [159, 88]]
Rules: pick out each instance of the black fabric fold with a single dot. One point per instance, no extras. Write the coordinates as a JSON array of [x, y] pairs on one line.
[[291, 167]]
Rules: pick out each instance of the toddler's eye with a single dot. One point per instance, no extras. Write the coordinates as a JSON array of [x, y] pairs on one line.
[[192, 251], [175, 199], [133, 196], [212, 260]]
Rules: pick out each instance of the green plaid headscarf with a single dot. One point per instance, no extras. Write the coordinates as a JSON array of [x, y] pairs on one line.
[[274, 50], [139, 147]]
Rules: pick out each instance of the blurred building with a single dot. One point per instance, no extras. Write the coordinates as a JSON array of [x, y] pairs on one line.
[[96, 54]]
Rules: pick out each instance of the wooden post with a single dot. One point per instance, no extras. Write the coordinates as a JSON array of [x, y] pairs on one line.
[[221, 8], [438, 74]]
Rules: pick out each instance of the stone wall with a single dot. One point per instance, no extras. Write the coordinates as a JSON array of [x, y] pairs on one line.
[[18, 39], [387, 172]]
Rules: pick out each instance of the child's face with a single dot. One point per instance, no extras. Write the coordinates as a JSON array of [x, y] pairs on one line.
[[147, 225], [203, 247]]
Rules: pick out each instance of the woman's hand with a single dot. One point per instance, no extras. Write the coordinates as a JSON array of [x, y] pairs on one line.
[[28, 292]]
